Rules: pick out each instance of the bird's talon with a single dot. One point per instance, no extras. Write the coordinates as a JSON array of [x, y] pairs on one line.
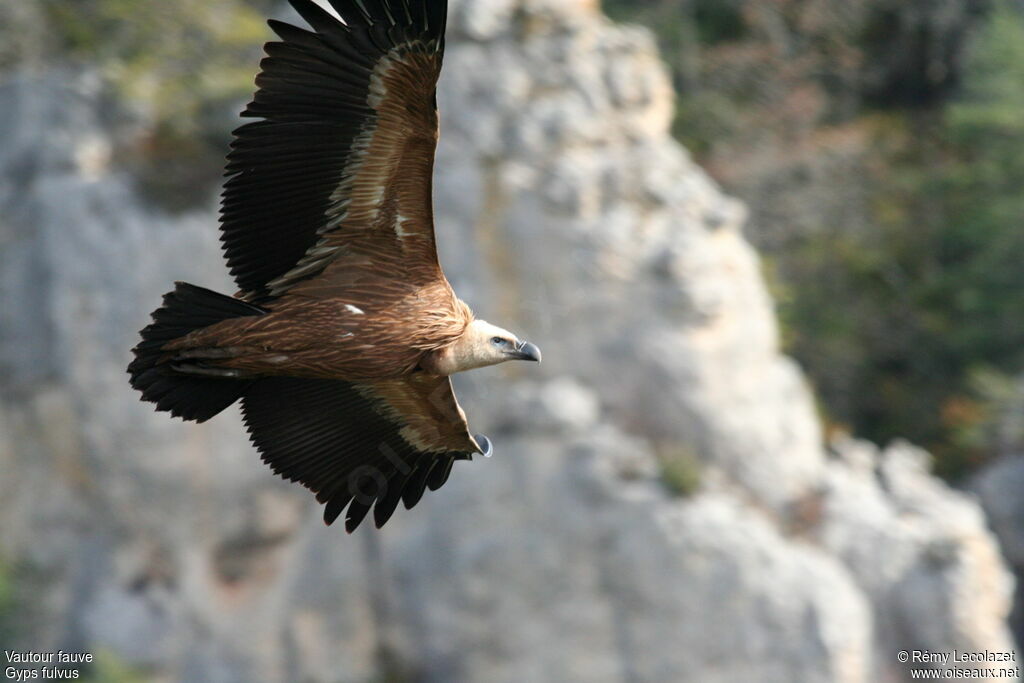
[[486, 447]]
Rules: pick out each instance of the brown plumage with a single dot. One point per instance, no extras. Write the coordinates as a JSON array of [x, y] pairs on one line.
[[344, 333]]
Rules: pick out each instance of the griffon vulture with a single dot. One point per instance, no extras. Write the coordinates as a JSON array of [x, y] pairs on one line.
[[342, 339]]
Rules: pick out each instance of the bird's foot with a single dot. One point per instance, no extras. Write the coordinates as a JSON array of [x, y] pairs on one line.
[[486, 447]]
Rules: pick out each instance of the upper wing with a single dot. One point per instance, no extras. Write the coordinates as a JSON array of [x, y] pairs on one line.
[[360, 444], [343, 156]]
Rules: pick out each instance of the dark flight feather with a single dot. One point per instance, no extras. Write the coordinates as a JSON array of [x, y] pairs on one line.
[[344, 442]]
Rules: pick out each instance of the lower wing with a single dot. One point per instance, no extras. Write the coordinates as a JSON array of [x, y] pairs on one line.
[[360, 445]]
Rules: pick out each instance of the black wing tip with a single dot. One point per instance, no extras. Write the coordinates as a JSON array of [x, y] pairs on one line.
[[316, 16], [285, 31], [334, 508], [410, 489], [357, 512], [430, 18]]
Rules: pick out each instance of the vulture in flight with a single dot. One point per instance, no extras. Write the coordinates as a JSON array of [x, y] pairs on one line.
[[344, 333]]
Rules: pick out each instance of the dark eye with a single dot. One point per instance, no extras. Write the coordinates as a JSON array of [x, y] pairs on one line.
[[498, 341]]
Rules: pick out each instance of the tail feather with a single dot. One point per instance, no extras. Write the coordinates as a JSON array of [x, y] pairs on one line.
[[184, 310]]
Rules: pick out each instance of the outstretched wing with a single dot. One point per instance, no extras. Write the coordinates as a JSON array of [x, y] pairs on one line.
[[342, 158], [360, 445]]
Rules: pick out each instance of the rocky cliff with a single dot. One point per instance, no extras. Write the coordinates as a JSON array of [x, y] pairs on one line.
[[565, 209]]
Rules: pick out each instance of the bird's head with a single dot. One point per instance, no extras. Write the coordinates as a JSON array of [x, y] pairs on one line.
[[481, 345]]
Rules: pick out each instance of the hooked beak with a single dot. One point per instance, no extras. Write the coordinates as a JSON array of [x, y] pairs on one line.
[[527, 351]]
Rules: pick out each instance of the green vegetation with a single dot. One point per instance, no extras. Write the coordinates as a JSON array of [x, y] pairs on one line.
[[19, 581], [7, 604], [186, 66], [109, 668], [680, 468], [173, 57], [908, 312], [929, 298]]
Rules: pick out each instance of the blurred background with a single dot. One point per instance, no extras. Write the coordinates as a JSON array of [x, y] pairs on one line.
[[771, 250]]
